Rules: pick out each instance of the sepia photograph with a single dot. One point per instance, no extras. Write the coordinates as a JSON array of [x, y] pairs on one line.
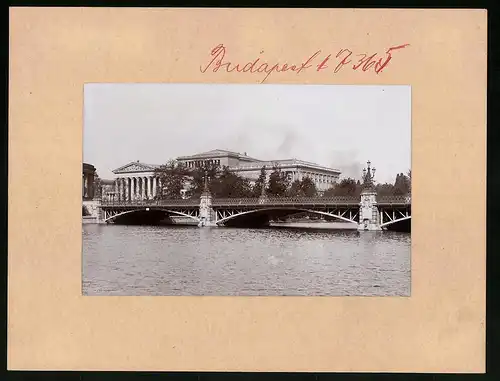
[[246, 190]]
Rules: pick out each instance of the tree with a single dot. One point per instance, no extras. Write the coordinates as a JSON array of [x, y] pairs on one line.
[[347, 187], [308, 187], [330, 192], [97, 186], [210, 170], [278, 183], [230, 185], [303, 188], [295, 189], [409, 180], [402, 185], [172, 177], [385, 189], [259, 183]]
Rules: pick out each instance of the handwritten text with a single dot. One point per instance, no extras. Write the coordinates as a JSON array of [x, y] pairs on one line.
[[317, 61]]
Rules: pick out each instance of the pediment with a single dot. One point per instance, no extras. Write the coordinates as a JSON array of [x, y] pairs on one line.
[[136, 167]]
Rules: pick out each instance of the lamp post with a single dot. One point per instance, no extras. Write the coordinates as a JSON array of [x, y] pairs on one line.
[[368, 176], [205, 185]]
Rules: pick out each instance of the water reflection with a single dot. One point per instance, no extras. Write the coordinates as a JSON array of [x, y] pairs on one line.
[[148, 260]]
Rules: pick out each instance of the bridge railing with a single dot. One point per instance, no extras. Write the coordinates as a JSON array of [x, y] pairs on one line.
[[238, 201], [338, 200], [285, 201], [394, 199], [173, 202]]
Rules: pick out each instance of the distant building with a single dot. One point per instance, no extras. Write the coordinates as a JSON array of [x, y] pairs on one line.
[[108, 190], [136, 180], [249, 167], [88, 181]]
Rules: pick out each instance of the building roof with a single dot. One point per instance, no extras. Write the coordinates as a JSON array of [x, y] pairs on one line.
[[246, 162], [88, 167], [286, 163], [217, 153], [136, 166]]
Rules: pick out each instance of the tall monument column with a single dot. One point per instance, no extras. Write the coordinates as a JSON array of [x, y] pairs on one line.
[[369, 218]]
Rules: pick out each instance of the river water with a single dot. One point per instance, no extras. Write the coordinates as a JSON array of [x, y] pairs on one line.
[[186, 260]]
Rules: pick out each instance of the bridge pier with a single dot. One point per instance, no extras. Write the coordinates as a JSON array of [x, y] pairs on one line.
[[94, 210], [207, 214], [369, 217]]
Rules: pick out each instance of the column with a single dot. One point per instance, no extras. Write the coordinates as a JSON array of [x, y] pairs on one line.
[[90, 186], [128, 184], [143, 188], [86, 186], [154, 187], [118, 191]]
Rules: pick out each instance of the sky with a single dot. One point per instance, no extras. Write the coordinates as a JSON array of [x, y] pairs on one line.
[[338, 126]]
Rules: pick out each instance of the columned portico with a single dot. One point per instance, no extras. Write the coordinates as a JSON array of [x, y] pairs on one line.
[[130, 188], [136, 181]]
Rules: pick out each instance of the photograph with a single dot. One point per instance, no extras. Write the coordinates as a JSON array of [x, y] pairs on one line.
[[246, 190]]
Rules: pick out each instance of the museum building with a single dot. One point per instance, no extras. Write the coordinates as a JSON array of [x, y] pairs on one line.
[[138, 181]]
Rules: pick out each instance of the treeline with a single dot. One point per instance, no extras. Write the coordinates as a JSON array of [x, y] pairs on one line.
[[352, 187], [223, 183]]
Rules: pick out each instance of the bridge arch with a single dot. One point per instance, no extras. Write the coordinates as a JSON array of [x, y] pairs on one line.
[[395, 221], [113, 217], [292, 209]]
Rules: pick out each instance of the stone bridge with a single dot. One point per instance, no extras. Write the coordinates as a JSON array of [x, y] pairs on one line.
[[368, 211]]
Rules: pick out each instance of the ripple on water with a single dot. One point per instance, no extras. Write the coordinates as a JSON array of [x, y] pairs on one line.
[[145, 260]]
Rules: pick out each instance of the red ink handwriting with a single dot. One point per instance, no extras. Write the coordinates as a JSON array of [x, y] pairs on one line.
[[255, 66], [344, 57], [344, 60], [379, 66]]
